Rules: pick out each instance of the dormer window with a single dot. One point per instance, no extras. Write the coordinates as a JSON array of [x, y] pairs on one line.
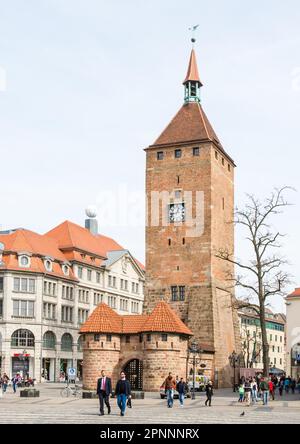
[[24, 261], [48, 265], [65, 270]]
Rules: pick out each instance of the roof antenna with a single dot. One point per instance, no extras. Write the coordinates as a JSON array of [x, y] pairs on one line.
[[193, 30]]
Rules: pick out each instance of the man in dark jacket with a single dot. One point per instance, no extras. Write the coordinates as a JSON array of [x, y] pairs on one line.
[[104, 392], [181, 388], [209, 393], [123, 392]]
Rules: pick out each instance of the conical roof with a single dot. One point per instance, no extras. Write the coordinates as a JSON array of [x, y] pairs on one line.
[[164, 319], [192, 72], [103, 320]]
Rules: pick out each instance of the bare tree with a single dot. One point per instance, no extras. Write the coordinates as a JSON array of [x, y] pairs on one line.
[[264, 276], [251, 346]]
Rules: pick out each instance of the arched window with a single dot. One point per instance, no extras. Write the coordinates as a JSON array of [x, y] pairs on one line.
[[49, 340], [22, 338], [66, 342], [80, 343]]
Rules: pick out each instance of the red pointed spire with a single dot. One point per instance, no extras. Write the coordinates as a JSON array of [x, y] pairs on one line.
[[192, 73]]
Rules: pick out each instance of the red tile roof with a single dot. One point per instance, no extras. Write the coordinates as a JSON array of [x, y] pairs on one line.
[[189, 125], [295, 293], [162, 319], [192, 73], [69, 236], [38, 247], [103, 320], [30, 242], [66, 242]]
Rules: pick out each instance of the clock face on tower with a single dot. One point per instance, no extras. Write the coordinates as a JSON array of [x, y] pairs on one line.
[[177, 212]]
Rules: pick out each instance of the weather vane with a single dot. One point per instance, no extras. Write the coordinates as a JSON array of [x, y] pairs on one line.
[[193, 29]]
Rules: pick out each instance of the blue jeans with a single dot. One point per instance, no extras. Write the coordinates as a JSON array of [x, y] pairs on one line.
[[170, 397], [265, 397], [181, 398], [121, 399]]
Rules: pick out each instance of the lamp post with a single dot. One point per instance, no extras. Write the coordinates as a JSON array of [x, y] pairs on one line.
[[194, 349]]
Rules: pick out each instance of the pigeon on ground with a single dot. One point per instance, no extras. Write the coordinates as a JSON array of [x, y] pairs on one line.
[[242, 414]]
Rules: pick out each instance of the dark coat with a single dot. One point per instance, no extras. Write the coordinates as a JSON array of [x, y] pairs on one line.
[[209, 390], [181, 387], [127, 388], [107, 386]]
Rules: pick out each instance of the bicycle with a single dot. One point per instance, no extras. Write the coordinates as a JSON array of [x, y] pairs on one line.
[[69, 391]]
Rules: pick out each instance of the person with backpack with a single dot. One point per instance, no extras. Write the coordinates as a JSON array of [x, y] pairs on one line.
[[264, 387]]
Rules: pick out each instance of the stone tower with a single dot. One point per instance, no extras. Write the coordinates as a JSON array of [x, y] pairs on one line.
[[190, 204]]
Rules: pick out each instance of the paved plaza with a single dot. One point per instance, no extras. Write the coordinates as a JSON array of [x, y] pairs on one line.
[[52, 408]]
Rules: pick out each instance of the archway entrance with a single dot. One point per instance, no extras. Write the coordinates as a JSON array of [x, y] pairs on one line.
[[134, 374]]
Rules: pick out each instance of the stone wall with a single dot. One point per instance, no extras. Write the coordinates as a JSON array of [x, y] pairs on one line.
[[174, 256], [158, 357]]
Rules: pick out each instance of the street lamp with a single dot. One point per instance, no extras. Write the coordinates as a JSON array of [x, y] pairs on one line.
[[194, 350]]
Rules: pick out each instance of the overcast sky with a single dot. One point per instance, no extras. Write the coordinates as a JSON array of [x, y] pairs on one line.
[[86, 85]]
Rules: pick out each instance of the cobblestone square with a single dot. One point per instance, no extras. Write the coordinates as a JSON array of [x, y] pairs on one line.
[[51, 408]]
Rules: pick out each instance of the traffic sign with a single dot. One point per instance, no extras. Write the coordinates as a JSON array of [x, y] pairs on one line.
[[72, 373]]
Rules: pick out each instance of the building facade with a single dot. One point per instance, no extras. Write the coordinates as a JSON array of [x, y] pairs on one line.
[[49, 285], [146, 347], [252, 339], [190, 198], [293, 334]]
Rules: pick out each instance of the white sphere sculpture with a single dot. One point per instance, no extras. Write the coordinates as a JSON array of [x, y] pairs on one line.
[[91, 211]]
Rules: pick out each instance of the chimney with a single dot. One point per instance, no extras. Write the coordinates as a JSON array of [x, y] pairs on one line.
[[91, 223]]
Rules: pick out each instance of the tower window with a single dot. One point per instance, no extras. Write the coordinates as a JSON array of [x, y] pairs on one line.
[[164, 337], [160, 155], [149, 337], [223, 203], [216, 155], [177, 194], [181, 293], [183, 241], [229, 167], [193, 89], [178, 154], [170, 242], [196, 152], [223, 161], [174, 293]]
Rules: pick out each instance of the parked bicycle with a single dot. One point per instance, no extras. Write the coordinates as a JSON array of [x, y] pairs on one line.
[[70, 390]]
